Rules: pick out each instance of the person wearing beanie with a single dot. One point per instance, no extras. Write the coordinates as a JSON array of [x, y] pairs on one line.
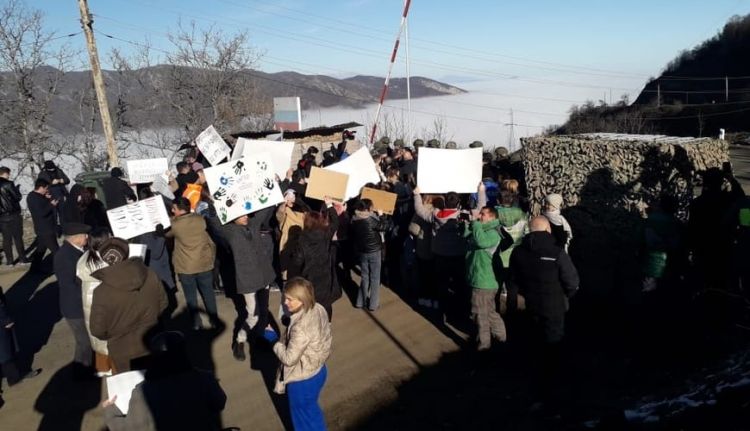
[[117, 192], [126, 305]]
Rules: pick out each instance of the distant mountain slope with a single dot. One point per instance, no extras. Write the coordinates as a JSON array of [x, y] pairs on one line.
[[314, 90], [690, 98]]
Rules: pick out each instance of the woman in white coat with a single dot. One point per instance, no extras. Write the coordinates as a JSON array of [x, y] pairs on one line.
[[89, 262]]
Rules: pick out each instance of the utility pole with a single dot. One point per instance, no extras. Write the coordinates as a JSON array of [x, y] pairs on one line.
[[96, 71], [511, 135]]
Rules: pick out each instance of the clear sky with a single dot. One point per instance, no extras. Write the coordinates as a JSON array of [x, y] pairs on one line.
[[458, 40], [537, 57]]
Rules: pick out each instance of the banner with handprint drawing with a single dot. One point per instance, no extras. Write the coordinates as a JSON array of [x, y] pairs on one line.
[[243, 186]]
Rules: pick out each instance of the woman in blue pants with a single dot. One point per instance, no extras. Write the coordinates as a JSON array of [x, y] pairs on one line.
[[303, 373]]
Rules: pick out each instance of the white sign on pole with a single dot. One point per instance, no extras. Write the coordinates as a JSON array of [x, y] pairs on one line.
[[212, 146], [443, 170], [279, 151], [243, 186], [138, 218], [361, 170], [146, 170]]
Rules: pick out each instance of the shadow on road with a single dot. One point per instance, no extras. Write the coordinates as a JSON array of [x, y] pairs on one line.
[[64, 401]]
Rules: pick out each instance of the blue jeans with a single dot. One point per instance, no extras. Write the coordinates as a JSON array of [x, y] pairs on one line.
[[303, 402], [369, 287], [203, 282]]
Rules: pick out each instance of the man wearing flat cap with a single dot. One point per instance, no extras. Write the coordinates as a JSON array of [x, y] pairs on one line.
[[71, 305]]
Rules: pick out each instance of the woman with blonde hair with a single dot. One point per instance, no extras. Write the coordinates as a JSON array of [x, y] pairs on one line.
[[303, 354]]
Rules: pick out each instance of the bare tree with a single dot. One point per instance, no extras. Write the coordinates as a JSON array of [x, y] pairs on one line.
[[29, 86]]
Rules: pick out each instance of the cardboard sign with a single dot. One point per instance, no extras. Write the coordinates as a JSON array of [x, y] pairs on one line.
[[361, 170], [146, 170], [243, 186], [381, 200], [280, 152], [443, 170], [212, 146], [324, 182], [138, 218]]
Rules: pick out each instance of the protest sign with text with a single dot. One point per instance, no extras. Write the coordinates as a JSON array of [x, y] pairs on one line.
[[141, 217], [212, 146]]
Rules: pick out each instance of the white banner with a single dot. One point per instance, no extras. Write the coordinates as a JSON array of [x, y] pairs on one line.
[[138, 218], [146, 170], [279, 151], [212, 146], [361, 170], [243, 186], [444, 170]]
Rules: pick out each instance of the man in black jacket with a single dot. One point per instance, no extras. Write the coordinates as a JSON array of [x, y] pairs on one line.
[[11, 223], [545, 276], [116, 191], [58, 189], [42, 209], [71, 304]]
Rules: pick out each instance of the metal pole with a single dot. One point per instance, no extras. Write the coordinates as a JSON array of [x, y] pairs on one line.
[[408, 83], [96, 72]]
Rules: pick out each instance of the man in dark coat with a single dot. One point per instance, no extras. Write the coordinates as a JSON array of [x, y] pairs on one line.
[[42, 209], [11, 223], [253, 264], [58, 190], [71, 304], [544, 275], [116, 191]]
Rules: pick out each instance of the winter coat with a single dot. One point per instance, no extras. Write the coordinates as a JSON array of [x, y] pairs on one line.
[[10, 198], [42, 214], [95, 215], [88, 285], [482, 241], [290, 225], [157, 256], [515, 222], [421, 230], [194, 251], [447, 234], [545, 276], [189, 400], [307, 347], [70, 212], [253, 261], [313, 260], [125, 307], [117, 192], [57, 191], [65, 264], [366, 229]]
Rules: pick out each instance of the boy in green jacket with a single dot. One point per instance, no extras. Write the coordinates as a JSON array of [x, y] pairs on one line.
[[483, 238]]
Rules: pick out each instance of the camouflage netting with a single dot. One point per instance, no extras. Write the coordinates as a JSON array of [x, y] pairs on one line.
[[607, 181]]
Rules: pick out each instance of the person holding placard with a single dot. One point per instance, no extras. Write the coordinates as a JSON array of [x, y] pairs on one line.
[[367, 228]]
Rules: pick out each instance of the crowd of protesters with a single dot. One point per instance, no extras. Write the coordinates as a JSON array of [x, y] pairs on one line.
[[473, 257]]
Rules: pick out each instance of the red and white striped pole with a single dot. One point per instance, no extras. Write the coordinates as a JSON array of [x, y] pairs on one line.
[[390, 69]]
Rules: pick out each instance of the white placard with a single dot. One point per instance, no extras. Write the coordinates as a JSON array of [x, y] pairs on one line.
[[212, 146], [243, 186], [122, 385], [138, 218], [444, 170], [161, 186], [361, 170], [137, 250], [279, 151], [146, 170]]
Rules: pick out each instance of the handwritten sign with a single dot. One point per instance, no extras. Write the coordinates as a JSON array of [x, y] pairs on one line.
[[361, 170], [146, 170], [138, 218], [212, 146], [243, 186], [280, 152], [381, 200], [161, 186]]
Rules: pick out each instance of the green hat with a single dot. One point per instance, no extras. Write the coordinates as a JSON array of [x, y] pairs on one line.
[[476, 144], [451, 145], [398, 143], [418, 143], [433, 143], [385, 140], [501, 152]]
